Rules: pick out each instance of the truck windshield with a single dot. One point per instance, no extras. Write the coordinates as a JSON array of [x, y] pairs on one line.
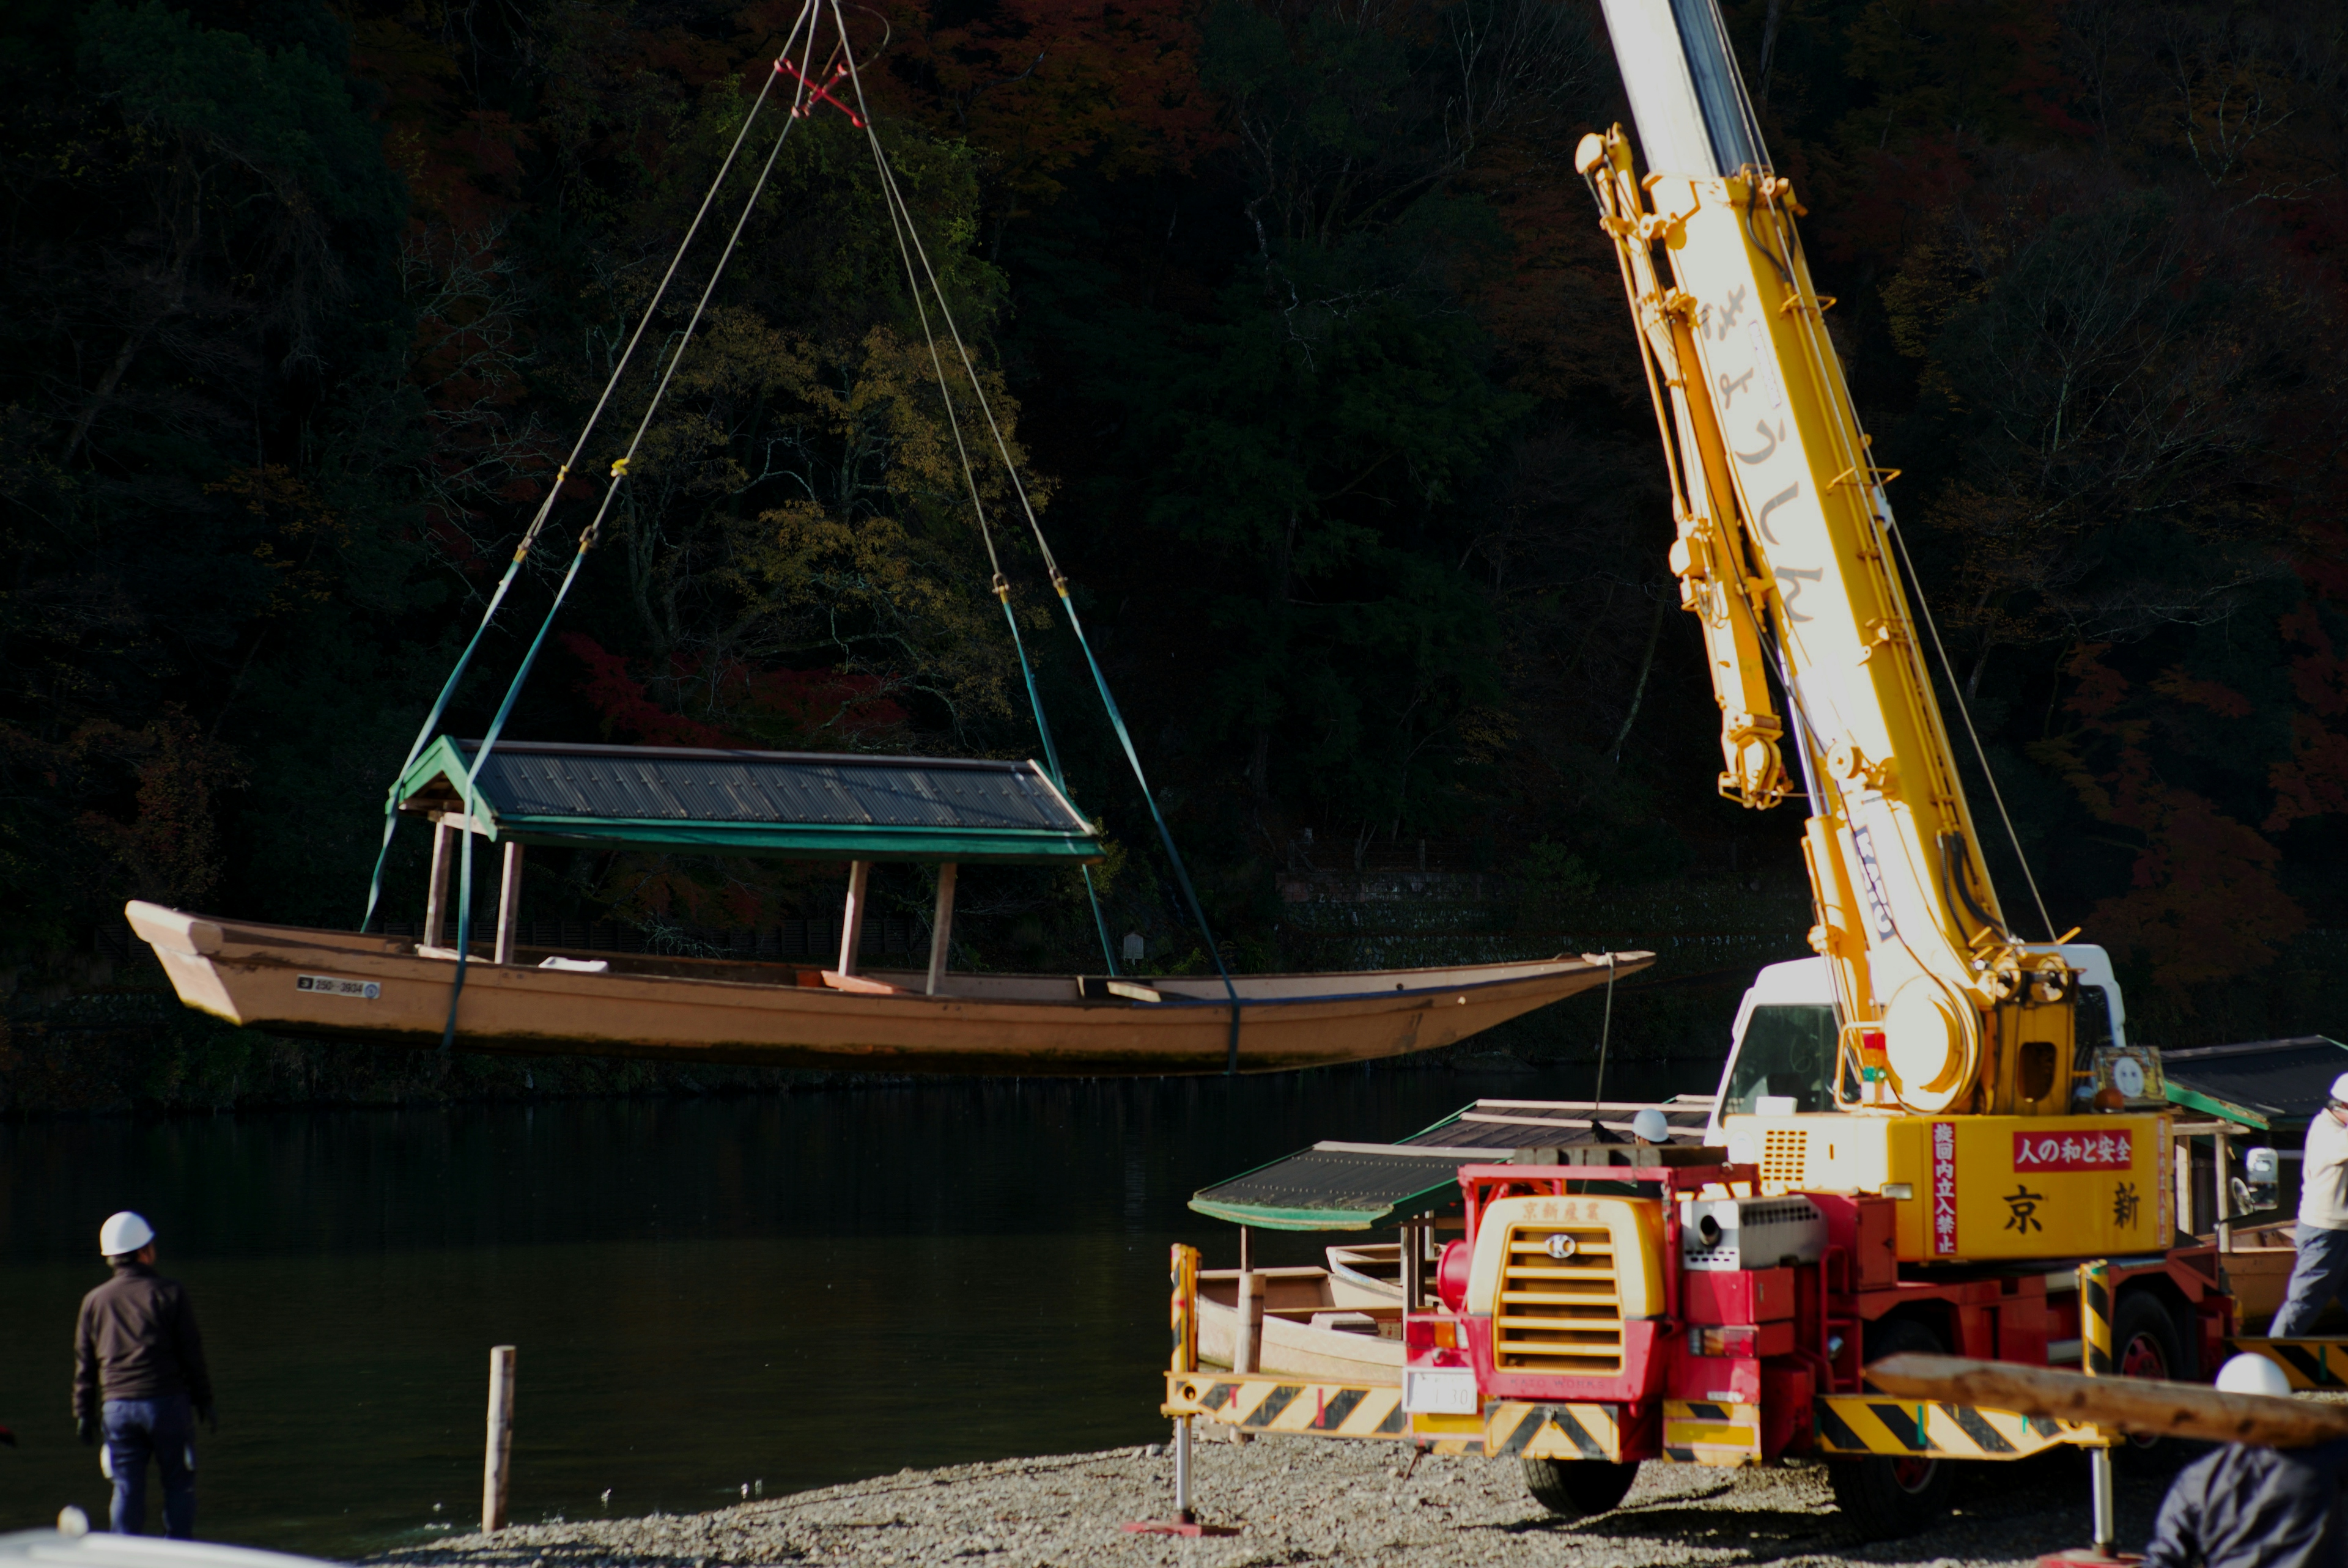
[[1788, 1050]]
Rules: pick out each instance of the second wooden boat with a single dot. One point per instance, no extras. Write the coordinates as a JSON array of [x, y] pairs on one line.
[[1308, 1332]]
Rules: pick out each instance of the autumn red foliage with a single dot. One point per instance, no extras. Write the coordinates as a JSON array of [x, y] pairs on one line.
[[742, 708]]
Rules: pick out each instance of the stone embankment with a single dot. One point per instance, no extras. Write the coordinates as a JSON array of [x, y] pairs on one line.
[[1300, 1501]]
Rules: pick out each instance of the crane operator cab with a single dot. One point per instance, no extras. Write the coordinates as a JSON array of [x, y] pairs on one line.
[[1968, 1186], [1783, 1055]]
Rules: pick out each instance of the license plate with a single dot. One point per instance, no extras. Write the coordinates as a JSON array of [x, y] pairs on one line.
[[329, 985], [1437, 1392]]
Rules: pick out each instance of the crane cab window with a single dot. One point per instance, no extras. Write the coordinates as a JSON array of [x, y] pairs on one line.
[[1788, 1050], [2091, 1032], [2094, 1025]]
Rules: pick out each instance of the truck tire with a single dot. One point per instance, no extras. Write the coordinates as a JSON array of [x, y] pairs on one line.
[[1885, 1496], [2144, 1344], [1577, 1488]]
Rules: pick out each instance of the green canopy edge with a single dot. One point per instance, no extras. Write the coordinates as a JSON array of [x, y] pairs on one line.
[[798, 841]]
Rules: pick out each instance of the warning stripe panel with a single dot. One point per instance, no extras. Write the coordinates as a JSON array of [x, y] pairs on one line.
[[1711, 1432], [2308, 1363], [1515, 1430], [1874, 1424], [1271, 1404]]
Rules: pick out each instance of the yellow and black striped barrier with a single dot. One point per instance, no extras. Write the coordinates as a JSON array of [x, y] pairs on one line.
[[2308, 1363], [1185, 1309], [1695, 1432], [1878, 1424], [2095, 1318], [1274, 1404], [1513, 1431], [1507, 1429], [1711, 1432]]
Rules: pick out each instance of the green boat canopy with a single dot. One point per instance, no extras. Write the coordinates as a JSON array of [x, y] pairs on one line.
[[2267, 1085], [796, 806], [1361, 1186]]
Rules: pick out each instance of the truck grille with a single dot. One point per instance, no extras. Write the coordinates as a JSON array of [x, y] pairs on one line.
[[1559, 1316], [1784, 1157]]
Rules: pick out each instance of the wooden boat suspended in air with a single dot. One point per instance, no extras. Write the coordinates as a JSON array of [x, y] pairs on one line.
[[858, 809]]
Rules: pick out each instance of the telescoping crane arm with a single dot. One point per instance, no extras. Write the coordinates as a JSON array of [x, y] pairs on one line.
[[1786, 554]]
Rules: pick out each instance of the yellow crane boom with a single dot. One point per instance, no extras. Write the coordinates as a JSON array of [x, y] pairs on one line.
[[1788, 555]]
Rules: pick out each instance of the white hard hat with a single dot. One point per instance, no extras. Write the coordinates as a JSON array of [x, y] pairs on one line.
[[124, 1233], [2252, 1375], [2339, 1089], [1650, 1124]]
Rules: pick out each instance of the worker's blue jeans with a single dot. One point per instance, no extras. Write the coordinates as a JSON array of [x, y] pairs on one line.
[[2317, 1275], [164, 1430]]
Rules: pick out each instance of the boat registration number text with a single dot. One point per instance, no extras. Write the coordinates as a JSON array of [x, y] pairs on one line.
[[338, 987]]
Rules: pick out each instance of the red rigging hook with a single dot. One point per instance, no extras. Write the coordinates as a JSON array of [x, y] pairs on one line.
[[816, 90]]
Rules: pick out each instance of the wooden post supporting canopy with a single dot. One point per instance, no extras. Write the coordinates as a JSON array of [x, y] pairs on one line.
[[851, 919], [509, 902], [2224, 1195], [2184, 1176], [941, 926], [1413, 1265], [1247, 1346], [1244, 1352], [436, 892], [495, 1462]]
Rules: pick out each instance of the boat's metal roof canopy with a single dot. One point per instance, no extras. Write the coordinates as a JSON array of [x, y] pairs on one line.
[[2271, 1085], [1361, 1186], [798, 806]]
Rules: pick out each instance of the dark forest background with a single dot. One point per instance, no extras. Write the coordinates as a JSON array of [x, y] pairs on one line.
[[1329, 393]]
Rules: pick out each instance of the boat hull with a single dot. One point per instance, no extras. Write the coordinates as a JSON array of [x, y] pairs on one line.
[[344, 985]]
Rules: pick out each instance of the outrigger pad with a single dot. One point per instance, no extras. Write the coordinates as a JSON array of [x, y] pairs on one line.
[[1190, 1527]]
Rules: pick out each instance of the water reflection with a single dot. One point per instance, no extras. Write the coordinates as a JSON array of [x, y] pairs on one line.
[[791, 1290]]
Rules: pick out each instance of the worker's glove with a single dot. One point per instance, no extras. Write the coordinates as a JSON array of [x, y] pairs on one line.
[[85, 1429], [210, 1418]]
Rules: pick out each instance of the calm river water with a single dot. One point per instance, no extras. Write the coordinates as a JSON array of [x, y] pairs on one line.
[[787, 1291]]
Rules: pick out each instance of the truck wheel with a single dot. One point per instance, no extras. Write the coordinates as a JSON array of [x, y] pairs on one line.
[[1887, 1496], [1577, 1488], [1883, 1498], [2145, 1345]]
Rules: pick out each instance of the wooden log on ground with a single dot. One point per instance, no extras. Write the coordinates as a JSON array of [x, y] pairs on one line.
[[2142, 1407]]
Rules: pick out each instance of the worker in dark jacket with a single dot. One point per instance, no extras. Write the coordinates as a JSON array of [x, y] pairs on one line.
[[139, 1379], [2246, 1507]]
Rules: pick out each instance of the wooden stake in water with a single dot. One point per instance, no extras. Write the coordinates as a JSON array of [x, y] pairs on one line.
[[497, 1463]]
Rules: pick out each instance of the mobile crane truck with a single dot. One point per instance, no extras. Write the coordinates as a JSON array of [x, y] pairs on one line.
[[1935, 1162]]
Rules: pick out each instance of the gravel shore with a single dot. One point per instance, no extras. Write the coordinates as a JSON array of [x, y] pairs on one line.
[[1299, 1501]]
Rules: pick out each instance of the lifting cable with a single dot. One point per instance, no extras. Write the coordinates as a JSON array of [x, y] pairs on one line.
[[1956, 695], [900, 227], [561, 474], [900, 215], [1860, 463], [594, 530], [808, 90]]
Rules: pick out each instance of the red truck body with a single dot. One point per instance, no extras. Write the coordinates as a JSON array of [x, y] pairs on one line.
[[1778, 1337]]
